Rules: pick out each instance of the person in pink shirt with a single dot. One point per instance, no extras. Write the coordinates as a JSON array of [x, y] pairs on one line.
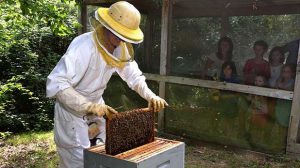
[[257, 65]]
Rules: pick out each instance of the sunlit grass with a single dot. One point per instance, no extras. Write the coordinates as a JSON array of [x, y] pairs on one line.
[[30, 137]]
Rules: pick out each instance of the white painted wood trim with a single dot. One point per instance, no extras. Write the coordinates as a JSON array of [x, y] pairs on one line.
[[164, 51], [268, 92]]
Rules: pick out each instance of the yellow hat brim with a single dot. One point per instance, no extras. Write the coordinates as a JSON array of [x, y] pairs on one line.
[[132, 34]]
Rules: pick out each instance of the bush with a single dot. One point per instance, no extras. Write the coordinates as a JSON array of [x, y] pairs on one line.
[[20, 110], [33, 37]]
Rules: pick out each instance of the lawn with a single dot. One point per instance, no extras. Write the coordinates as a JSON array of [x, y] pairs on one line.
[[38, 150]]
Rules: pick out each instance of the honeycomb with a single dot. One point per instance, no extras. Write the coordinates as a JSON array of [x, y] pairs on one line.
[[128, 130]]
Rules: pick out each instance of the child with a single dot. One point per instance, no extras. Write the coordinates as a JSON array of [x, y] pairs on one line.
[[259, 104], [257, 65], [276, 59], [228, 73], [286, 80]]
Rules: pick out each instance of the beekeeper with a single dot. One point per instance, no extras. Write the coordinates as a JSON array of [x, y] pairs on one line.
[[80, 78]]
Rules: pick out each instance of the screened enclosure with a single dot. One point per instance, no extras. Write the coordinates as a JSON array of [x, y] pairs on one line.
[[229, 70]]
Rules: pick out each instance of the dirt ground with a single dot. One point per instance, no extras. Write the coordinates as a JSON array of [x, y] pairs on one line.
[[38, 150], [216, 157]]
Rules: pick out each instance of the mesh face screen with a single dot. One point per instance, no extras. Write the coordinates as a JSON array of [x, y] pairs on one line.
[[129, 130]]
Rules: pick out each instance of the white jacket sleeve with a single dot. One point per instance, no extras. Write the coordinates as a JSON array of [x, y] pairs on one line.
[[73, 101], [135, 80], [71, 67]]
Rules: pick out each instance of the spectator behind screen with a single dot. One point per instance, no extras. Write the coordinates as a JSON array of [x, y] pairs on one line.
[[215, 61], [286, 80], [276, 59], [257, 65], [228, 73]]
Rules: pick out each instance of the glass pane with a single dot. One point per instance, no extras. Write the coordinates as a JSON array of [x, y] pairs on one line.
[[230, 118]]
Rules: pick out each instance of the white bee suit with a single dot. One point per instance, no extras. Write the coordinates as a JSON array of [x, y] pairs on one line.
[[83, 68]]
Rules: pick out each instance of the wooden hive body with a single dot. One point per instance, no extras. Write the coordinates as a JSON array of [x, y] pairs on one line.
[[161, 153]]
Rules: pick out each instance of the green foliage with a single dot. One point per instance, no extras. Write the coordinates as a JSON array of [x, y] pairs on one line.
[[21, 110], [33, 36]]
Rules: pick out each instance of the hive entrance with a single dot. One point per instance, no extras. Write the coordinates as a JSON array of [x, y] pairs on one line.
[[128, 130]]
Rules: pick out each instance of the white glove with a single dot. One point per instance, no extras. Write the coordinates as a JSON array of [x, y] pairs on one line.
[[156, 103], [101, 110]]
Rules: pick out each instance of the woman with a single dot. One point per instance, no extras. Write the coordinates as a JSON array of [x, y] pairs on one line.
[[215, 61]]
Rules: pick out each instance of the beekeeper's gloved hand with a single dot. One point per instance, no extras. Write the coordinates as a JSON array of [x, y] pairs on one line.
[[156, 103], [101, 110]]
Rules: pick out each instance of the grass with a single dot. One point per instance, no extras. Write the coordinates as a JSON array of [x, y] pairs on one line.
[[37, 149], [33, 149]]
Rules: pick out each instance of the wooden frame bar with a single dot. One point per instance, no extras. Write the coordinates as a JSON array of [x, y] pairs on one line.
[[182, 12], [164, 52], [293, 141], [275, 93]]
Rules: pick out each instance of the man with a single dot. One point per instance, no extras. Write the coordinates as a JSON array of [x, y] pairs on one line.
[[293, 49], [80, 77]]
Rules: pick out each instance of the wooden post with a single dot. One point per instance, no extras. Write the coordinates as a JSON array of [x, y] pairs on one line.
[[293, 143], [164, 52], [83, 18]]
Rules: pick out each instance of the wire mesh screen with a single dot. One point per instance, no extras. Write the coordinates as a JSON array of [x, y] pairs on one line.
[[257, 50], [192, 40], [198, 47], [229, 118]]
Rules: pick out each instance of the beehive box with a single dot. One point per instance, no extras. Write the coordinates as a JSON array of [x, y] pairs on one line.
[[161, 153]]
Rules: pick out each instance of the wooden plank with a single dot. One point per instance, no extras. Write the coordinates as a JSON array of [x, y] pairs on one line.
[[293, 140], [165, 30], [268, 92], [180, 11], [233, 3], [164, 51], [161, 114]]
